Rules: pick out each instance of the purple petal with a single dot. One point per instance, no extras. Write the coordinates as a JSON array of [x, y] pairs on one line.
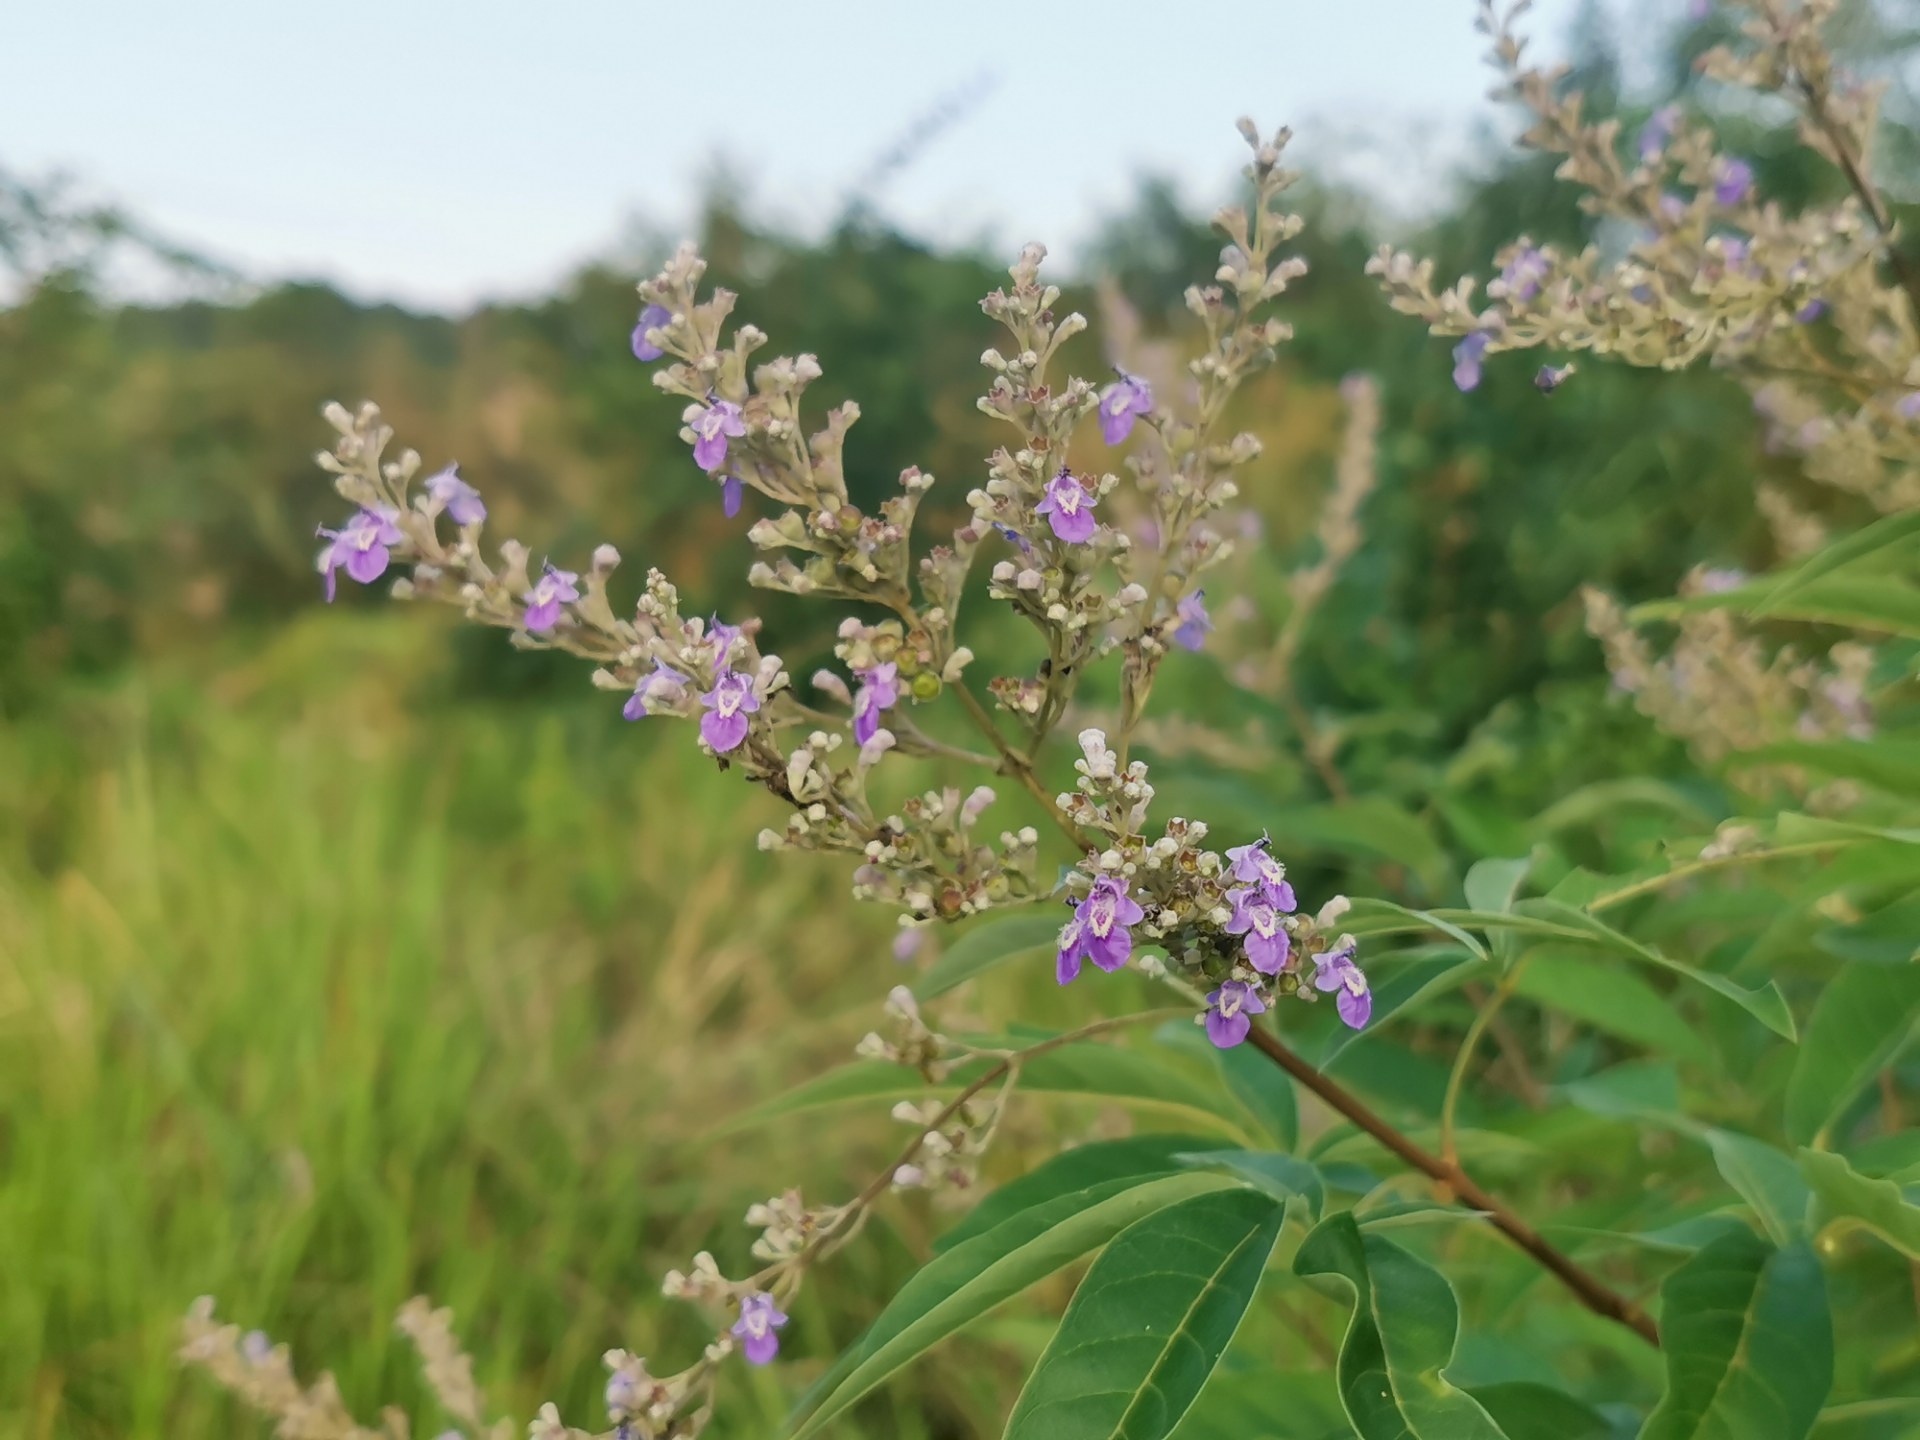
[[723, 732], [367, 565], [760, 1349], [543, 615], [731, 489], [1115, 428], [1356, 1010], [1227, 1031], [651, 318], [1066, 968]]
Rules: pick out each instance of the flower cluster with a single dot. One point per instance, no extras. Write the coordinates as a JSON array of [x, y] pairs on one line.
[[1229, 921], [1097, 564]]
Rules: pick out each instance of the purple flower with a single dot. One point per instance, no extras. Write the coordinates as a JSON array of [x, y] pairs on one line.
[[1551, 378], [452, 494], [1732, 179], [1335, 970], [711, 428], [759, 1318], [1254, 864], [549, 592], [1257, 917], [722, 637], [1698, 10], [1195, 623], [1126, 398], [1658, 130], [1098, 930], [1734, 247], [1673, 208], [1810, 312], [731, 489], [1908, 405], [1524, 274], [653, 317], [661, 685], [360, 546], [1068, 508], [728, 704], [1229, 1013], [879, 690], [1467, 356]]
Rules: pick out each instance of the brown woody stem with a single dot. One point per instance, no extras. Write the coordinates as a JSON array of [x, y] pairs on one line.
[[1589, 1289]]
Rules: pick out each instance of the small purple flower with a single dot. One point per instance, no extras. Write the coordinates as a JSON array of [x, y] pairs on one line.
[[549, 593], [1908, 405], [1810, 312], [1098, 930], [452, 494], [1658, 130], [1229, 1013], [1068, 508], [360, 547], [1257, 917], [256, 1346], [731, 491], [1525, 274], [1732, 179], [722, 637], [1734, 247], [1120, 403], [1014, 538], [759, 1318], [1195, 624], [729, 703], [662, 685], [651, 318], [879, 690], [1718, 580], [1673, 208], [1335, 970], [1698, 10], [1467, 356], [1551, 378], [711, 429], [1253, 864]]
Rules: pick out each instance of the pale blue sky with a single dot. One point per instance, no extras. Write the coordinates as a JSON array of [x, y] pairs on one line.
[[438, 153]]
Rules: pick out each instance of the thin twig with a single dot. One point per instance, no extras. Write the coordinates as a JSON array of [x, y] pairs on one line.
[[1591, 1291], [1021, 768]]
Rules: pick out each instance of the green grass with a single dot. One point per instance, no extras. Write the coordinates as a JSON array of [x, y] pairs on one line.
[[312, 1002]]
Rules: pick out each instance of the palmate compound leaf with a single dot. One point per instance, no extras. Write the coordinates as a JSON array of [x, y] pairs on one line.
[[1748, 1341], [962, 1283], [1150, 1321], [1400, 1341]]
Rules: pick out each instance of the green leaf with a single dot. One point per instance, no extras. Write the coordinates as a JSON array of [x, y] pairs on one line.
[[1766, 1004], [1767, 1179], [1140, 1158], [1400, 1341], [1258, 1403], [1282, 1176], [1368, 914], [1892, 765], [988, 945], [1748, 1342], [1609, 998], [1529, 1411], [1885, 533], [1846, 1199], [1264, 1089], [1150, 1321], [1633, 1089], [966, 1281], [1874, 602], [1863, 1017], [1495, 885], [1104, 1072], [1412, 983]]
